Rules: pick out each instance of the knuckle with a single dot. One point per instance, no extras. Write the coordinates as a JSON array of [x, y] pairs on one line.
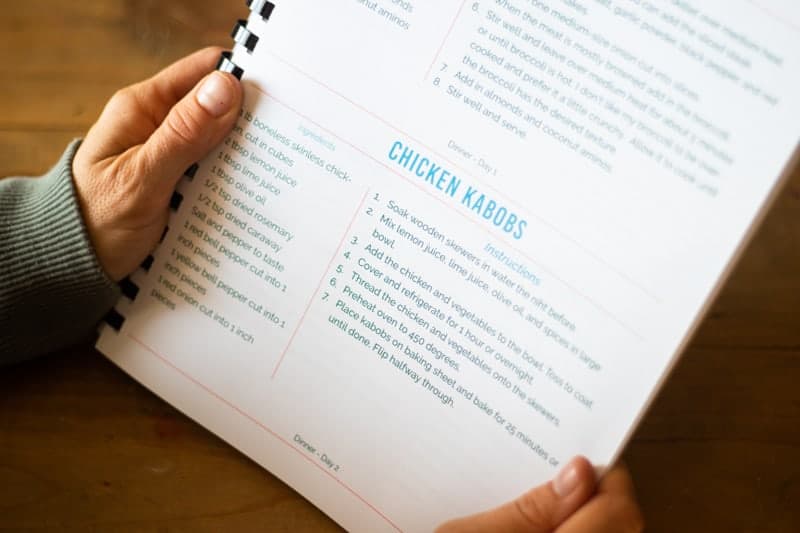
[[183, 125], [116, 105], [122, 98], [533, 512]]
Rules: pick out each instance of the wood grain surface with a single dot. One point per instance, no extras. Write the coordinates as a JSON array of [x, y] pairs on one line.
[[85, 448]]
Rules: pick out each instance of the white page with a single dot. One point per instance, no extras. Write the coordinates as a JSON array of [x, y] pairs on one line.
[[335, 299]]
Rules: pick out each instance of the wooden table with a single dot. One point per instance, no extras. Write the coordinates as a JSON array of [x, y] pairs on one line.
[[84, 448]]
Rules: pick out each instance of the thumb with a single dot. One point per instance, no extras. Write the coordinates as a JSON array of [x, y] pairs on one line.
[[195, 125], [540, 510]]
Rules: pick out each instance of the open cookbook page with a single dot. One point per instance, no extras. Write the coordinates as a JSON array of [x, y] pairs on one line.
[[449, 245]]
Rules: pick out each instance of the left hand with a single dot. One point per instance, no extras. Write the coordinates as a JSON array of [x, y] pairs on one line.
[[149, 133]]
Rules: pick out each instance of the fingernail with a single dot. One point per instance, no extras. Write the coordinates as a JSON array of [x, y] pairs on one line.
[[567, 480], [216, 94]]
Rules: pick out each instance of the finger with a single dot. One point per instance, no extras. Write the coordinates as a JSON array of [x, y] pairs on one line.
[[538, 511], [161, 92], [190, 130], [612, 510], [134, 113]]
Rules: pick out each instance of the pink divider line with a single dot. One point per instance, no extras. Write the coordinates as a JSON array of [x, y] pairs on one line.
[[321, 281], [544, 222], [261, 425], [446, 37], [471, 221]]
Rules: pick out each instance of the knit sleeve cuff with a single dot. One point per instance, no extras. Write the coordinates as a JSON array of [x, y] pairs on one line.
[[52, 287]]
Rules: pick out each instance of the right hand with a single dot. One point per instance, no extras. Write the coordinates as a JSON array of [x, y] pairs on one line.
[[572, 503]]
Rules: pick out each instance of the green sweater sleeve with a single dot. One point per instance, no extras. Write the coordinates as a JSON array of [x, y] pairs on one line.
[[52, 288]]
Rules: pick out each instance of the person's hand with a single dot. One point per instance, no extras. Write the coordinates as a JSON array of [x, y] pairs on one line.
[[126, 169], [572, 503]]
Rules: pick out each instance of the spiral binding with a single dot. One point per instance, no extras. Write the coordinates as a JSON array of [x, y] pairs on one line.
[[262, 7], [241, 35], [226, 65], [248, 40]]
